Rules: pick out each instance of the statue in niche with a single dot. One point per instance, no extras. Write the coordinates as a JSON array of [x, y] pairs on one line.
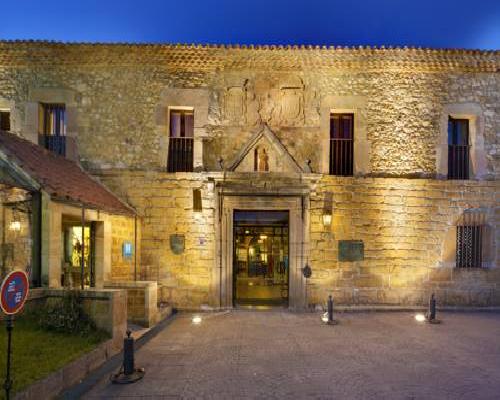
[[261, 160]]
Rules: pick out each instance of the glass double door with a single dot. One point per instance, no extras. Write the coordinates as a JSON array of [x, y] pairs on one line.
[[261, 258]]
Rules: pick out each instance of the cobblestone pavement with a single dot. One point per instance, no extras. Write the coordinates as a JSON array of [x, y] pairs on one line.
[[278, 355]]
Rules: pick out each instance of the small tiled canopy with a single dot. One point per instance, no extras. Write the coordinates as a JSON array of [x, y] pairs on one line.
[[63, 179]]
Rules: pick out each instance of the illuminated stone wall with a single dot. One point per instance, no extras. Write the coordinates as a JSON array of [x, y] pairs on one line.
[[15, 240], [118, 96], [117, 106], [122, 230], [165, 203], [408, 228]]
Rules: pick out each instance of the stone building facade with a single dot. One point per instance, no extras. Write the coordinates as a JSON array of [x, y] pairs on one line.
[[397, 204]]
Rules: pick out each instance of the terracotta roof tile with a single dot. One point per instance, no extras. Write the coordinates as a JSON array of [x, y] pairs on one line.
[[62, 179]]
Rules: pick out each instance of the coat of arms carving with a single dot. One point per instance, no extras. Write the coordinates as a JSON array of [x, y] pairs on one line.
[[292, 102], [235, 104], [177, 243]]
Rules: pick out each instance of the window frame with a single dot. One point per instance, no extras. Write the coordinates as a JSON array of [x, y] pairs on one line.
[[458, 150], [349, 169], [43, 113], [170, 167]]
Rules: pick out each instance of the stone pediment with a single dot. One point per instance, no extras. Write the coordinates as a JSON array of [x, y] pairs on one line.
[[264, 152]]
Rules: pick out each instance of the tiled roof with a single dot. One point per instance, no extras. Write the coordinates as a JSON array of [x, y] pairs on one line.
[[210, 57], [63, 179]]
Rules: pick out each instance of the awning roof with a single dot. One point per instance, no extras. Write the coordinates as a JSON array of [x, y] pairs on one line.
[[64, 180]]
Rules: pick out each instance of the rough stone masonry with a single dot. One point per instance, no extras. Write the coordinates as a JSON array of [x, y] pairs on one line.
[[398, 201]]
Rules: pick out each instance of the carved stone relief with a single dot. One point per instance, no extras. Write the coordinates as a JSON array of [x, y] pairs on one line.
[[292, 101], [235, 104]]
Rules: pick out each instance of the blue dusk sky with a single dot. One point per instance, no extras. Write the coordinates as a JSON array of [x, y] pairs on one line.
[[428, 23]]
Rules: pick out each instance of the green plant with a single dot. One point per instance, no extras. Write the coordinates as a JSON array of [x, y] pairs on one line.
[[66, 314]]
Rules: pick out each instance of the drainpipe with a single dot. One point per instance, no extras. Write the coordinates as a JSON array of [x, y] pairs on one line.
[[82, 259]]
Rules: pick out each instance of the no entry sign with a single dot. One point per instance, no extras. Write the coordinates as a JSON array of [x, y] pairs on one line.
[[14, 292]]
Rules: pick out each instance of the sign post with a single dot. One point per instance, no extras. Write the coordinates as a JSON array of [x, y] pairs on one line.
[[13, 294]]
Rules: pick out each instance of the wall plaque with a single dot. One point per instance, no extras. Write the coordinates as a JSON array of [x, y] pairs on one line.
[[351, 250], [177, 243]]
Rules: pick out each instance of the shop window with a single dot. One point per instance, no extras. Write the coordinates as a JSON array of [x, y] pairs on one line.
[[180, 145], [341, 144], [52, 127]]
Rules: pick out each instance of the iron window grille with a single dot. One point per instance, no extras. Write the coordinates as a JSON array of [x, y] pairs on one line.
[[341, 144], [458, 148], [52, 127], [470, 234], [180, 145]]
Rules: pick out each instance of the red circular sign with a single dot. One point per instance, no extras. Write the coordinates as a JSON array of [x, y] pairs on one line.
[[13, 292]]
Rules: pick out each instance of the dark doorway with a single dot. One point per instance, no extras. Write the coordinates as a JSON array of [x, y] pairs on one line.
[[260, 258]]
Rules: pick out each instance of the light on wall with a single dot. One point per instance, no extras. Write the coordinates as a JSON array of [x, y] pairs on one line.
[[327, 209], [327, 219], [15, 224], [197, 203]]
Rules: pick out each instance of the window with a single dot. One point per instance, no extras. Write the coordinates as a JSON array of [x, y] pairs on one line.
[[469, 246], [180, 145], [52, 127], [458, 148], [5, 120], [341, 144]]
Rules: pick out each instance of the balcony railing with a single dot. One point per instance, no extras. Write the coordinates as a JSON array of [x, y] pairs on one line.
[[180, 154], [54, 143], [458, 161], [341, 157]]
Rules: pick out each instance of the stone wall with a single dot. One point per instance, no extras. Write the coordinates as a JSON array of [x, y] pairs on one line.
[[15, 241], [118, 106], [407, 226], [165, 203], [118, 98], [122, 230]]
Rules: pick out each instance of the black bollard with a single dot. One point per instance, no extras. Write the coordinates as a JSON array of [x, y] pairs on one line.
[[128, 354], [330, 309], [432, 308], [431, 314], [128, 373], [327, 317]]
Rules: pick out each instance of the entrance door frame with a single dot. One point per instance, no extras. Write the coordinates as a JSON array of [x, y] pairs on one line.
[[235, 279], [297, 206]]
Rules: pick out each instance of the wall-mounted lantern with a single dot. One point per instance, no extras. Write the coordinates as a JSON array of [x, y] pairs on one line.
[[15, 224], [197, 203], [327, 219], [327, 210]]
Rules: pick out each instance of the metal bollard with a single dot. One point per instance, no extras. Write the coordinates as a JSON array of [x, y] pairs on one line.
[[128, 373], [128, 354], [330, 309], [431, 314], [432, 308], [327, 317]]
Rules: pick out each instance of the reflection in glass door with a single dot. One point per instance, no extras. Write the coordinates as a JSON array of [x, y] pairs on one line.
[[260, 259]]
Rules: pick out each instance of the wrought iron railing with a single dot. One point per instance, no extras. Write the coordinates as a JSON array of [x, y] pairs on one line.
[[341, 157], [54, 143], [458, 161], [180, 154]]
